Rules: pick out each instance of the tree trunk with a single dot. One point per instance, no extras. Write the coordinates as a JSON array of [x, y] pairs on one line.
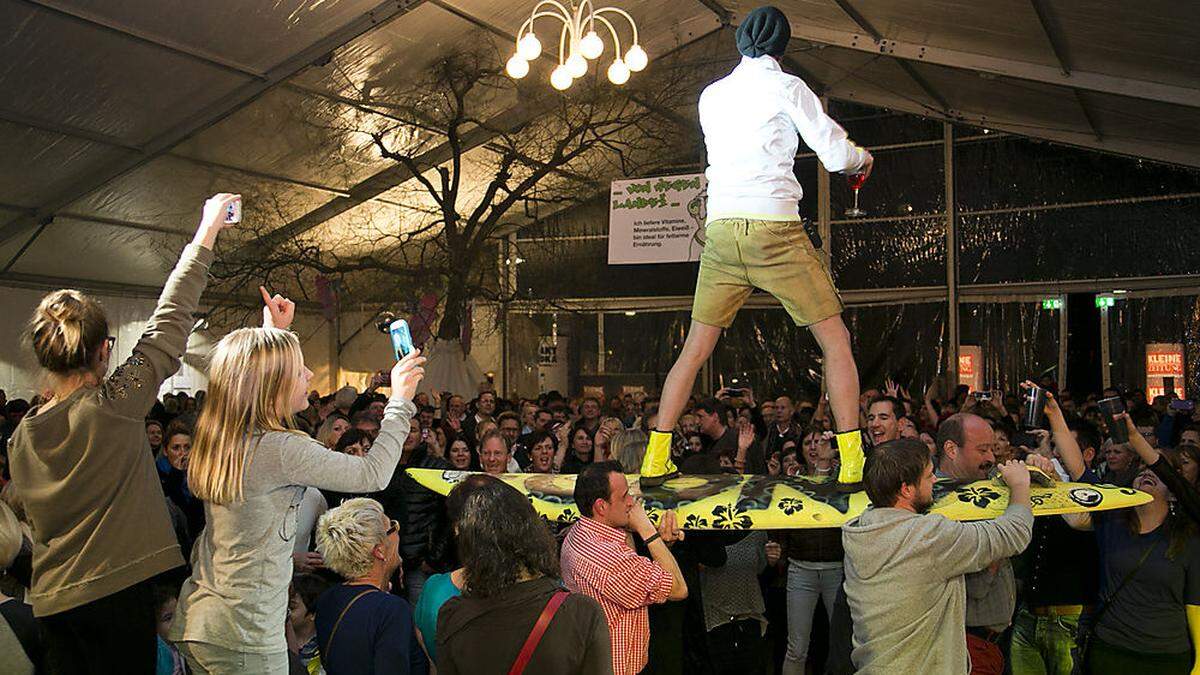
[[455, 309]]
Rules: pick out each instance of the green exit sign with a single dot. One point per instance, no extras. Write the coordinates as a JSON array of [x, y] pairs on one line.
[[1103, 302], [1052, 303]]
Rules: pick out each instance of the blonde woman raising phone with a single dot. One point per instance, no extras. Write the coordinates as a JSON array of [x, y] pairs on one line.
[[251, 467]]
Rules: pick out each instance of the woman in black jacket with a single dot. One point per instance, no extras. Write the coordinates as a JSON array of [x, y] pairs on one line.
[[421, 513]]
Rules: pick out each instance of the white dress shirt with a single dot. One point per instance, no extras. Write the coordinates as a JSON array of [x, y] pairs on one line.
[[750, 119]]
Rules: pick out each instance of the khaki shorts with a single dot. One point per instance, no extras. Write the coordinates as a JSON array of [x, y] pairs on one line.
[[776, 256]]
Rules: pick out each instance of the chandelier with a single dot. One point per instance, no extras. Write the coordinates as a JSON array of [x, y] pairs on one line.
[[578, 43]]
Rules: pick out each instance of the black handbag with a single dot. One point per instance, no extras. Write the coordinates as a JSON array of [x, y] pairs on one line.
[[1087, 627]]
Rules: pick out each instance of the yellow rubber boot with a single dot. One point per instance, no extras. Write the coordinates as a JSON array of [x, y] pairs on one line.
[[657, 466], [850, 450]]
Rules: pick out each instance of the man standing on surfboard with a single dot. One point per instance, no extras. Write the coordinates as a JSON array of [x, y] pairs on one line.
[[751, 119]]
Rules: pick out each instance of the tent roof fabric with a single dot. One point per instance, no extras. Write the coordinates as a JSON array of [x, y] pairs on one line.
[[119, 116]]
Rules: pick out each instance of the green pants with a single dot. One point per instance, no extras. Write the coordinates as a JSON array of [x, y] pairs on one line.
[[1043, 645]]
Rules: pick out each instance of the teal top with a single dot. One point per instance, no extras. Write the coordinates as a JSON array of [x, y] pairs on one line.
[[437, 590]]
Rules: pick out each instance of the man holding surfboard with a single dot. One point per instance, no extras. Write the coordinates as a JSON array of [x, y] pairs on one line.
[[751, 119]]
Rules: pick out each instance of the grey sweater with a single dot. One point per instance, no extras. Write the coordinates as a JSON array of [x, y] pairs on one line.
[[905, 585], [85, 472], [237, 596]]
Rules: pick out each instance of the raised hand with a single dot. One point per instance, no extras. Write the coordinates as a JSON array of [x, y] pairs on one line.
[[212, 219], [890, 388], [745, 433], [431, 442], [278, 311], [215, 208], [407, 374]]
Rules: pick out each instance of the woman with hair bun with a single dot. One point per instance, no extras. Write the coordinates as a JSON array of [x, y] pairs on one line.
[[82, 465]]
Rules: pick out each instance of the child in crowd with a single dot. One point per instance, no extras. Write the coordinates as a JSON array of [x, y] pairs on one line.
[[302, 615], [169, 660]]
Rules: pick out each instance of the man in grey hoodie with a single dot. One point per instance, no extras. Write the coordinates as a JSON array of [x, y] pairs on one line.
[[904, 569]]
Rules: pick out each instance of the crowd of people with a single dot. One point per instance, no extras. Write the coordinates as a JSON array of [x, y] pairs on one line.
[[261, 527]]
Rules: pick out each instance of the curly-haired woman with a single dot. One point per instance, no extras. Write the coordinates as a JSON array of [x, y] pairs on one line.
[[510, 577]]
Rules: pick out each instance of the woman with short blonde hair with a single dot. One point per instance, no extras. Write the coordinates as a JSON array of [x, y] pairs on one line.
[[81, 461], [347, 534], [250, 466], [361, 627]]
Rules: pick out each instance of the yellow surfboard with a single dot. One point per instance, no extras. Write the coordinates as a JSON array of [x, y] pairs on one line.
[[733, 502]]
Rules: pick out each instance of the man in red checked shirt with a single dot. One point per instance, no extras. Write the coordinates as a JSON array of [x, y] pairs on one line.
[[598, 560]]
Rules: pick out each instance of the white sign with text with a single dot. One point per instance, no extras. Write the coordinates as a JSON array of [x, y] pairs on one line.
[[656, 220]]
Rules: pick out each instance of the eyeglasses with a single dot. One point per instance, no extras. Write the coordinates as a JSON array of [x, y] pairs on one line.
[[112, 342], [393, 528]]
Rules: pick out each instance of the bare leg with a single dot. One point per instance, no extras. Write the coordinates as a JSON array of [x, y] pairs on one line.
[[701, 341], [841, 373], [656, 463], [841, 382]]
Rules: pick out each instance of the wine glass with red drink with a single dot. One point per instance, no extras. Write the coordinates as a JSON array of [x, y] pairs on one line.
[[856, 181]]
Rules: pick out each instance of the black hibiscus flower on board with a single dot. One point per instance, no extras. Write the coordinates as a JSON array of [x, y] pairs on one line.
[[728, 518], [791, 505], [979, 496], [695, 522], [567, 516]]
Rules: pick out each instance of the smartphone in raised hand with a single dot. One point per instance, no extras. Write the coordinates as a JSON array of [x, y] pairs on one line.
[[233, 212], [402, 342]]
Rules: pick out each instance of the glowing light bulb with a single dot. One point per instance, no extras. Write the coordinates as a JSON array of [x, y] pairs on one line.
[[618, 72], [517, 67], [529, 47], [591, 46], [636, 58], [560, 79], [576, 65]]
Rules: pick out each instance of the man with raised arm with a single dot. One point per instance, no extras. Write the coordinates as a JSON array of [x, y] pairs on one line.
[[905, 568]]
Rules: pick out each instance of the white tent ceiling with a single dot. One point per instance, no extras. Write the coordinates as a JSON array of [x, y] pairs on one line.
[[118, 116]]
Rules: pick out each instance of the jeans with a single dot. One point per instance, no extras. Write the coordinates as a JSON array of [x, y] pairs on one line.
[[209, 659], [1043, 645], [806, 582]]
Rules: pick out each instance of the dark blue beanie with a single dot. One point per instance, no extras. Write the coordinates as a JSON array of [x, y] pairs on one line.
[[764, 31]]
